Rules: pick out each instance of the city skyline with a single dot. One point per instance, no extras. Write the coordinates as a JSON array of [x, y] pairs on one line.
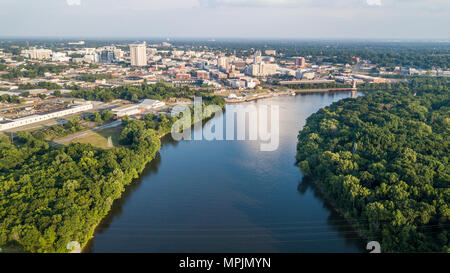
[[281, 19]]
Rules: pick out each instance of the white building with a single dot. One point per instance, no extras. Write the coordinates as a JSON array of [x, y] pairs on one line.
[[152, 51], [135, 109], [151, 104], [223, 63], [308, 75], [37, 53], [261, 69], [127, 110], [238, 84], [9, 124], [92, 58], [60, 57], [177, 53], [76, 43], [138, 54]]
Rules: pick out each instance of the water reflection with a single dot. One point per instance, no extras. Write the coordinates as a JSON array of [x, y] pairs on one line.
[[228, 196], [118, 204], [335, 220]]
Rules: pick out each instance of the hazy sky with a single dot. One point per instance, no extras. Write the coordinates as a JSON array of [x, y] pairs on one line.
[[392, 19]]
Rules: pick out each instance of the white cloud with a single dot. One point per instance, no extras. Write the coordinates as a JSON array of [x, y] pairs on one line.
[[73, 2], [374, 2]]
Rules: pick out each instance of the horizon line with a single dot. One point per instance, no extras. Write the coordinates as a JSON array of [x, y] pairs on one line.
[[212, 39]]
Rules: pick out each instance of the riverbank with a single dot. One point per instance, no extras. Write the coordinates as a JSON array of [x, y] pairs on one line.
[[318, 186], [289, 92], [160, 136], [83, 247], [215, 196]]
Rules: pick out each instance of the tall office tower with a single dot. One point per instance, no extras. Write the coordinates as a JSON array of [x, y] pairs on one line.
[[257, 58], [300, 62], [107, 56], [138, 54], [223, 63]]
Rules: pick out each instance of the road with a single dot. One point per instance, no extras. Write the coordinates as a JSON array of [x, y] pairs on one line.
[[72, 137]]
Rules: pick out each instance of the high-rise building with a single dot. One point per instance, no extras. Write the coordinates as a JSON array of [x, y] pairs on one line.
[[300, 62], [222, 63], [107, 56], [138, 54], [258, 57]]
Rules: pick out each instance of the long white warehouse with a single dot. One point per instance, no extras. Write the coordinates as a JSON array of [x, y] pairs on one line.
[[9, 124]]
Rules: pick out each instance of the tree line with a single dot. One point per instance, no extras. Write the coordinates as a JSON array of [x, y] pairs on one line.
[[53, 195], [383, 161], [50, 196]]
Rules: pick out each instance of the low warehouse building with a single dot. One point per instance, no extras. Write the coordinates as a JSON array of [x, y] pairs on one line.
[[9, 124]]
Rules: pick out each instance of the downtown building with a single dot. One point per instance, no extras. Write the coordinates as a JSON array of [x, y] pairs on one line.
[[138, 54], [300, 62], [261, 69], [37, 53]]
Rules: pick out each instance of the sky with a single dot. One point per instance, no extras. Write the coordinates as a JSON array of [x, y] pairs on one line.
[[286, 19]]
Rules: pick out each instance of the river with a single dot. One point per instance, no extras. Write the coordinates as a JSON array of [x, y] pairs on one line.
[[228, 196]]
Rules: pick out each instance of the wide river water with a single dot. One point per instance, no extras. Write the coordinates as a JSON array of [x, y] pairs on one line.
[[228, 196]]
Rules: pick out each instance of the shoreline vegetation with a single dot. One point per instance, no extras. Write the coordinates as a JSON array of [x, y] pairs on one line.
[[318, 186], [382, 161], [160, 136], [51, 196]]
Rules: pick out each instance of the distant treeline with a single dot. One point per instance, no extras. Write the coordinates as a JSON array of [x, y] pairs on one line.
[[385, 54]]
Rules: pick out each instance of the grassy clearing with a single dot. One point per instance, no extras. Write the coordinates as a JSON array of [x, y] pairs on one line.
[[100, 138]]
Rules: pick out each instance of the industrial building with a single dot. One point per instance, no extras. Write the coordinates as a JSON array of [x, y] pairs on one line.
[[9, 124], [135, 109]]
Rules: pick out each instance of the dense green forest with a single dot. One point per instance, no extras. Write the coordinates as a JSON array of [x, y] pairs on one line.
[[50, 196], [382, 159]]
